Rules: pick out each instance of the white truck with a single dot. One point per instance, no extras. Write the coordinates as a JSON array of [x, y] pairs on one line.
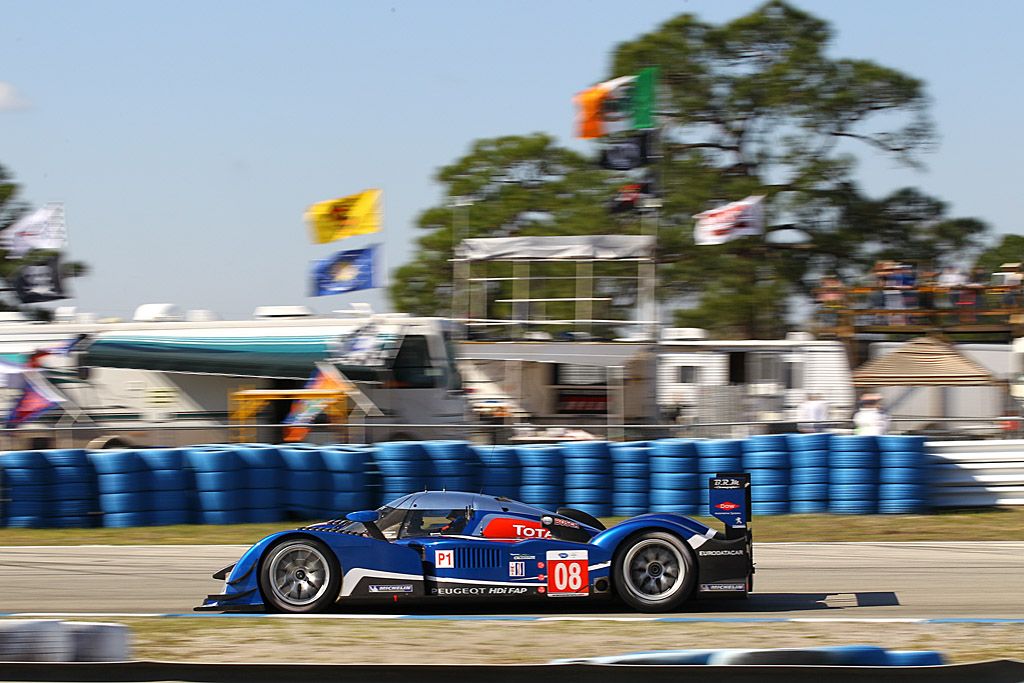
[[163, 379]]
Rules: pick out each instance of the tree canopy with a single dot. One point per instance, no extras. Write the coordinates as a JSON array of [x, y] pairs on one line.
[[755, 106]]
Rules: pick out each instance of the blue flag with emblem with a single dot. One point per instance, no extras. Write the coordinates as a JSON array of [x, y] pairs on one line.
[[346, 271]]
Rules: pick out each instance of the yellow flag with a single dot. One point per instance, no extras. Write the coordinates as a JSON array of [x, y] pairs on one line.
[[335, 219]]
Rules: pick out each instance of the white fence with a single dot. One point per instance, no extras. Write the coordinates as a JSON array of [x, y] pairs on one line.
[[977, 473]]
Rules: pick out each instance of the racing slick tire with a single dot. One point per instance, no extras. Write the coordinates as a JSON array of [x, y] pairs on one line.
[[299, 574], [654, 572]]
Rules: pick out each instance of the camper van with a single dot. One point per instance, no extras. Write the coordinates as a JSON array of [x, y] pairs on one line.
[[716, 381], [168, 378]]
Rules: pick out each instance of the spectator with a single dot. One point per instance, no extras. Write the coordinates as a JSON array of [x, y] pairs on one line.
[[871, 419], [830, 296], [812, 414]]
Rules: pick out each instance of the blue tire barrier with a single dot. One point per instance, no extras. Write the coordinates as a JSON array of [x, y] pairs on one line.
[[808, 475], [721, 448], [798, 459], [30, 460], [848, 492], [31, 494], [808, 442], [170, 480], [132, 502], [220, 484], [163, 458], [772, 494], [631, 485], [17, 477], [630, 455], [540, 456], [891, 459], [596, 509], [260, 456], [861, 459], [808, 507], [677, 480], [856, 444], [765, 477], [901, 443], [903, 491], [630, 470], [853, 507], [629, 499], [587, 466], [674, 448], [116, 462], [673, 498], [854, 475], [548, 497], [264, 478], [903, 475], [717, 465], [179, 499], [540, 476], [766, 460], [769, 508], [808, 492], [588, 481], [599, 450], [670, 464], [766, 442], [121, 482]]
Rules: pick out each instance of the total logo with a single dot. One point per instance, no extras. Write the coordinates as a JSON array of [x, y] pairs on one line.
[[727, 506], [503, 527]]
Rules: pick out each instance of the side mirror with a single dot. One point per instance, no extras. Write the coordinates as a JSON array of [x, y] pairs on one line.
[[362, 516]]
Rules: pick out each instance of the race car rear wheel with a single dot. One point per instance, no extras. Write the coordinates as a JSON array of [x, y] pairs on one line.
[[300, 575], [653, 572]]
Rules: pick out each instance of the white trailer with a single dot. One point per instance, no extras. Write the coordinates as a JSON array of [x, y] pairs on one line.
[[702, 380]]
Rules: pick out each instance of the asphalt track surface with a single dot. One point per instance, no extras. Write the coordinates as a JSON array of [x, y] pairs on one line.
[[969, 580]]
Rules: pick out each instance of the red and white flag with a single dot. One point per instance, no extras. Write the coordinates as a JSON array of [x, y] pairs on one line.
[[729, 222]]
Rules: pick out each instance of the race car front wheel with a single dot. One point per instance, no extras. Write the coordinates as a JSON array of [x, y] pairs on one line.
[[653, 572], [300, 575]]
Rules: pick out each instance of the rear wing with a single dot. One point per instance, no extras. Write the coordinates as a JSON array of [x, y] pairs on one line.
[[729, 501]]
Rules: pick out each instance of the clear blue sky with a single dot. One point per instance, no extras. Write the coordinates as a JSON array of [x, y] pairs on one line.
[[187, 138]]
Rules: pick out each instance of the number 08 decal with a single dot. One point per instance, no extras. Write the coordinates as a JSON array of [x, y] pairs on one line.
[[567, 573]]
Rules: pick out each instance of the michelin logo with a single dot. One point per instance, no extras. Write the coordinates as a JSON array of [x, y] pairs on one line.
[[723, 586], [392, 588]]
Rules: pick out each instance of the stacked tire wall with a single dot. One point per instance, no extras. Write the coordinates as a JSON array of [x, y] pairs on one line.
[[237, 483], [674, 477]]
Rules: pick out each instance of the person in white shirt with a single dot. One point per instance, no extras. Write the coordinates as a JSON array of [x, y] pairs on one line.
[[871, 419], [812, 414]]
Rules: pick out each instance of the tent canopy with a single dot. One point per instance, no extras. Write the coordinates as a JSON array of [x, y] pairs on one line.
[[601, 247], [922, 362]]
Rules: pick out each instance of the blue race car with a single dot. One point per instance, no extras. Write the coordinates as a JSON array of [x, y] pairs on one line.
[[438, 544]]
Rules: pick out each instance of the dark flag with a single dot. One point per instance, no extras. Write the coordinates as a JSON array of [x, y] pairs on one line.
[[628, 197], [38, 282], [627, 153]]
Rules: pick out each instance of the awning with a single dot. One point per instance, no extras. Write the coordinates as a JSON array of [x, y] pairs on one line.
[[278, 357], [605, 247], [607, 355], [924, 361]]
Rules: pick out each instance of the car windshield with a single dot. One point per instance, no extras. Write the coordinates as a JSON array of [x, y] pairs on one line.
[[434, 522], [389, 521]]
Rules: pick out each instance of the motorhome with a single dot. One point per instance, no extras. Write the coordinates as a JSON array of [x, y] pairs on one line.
[[722, 381], [168, 377]]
